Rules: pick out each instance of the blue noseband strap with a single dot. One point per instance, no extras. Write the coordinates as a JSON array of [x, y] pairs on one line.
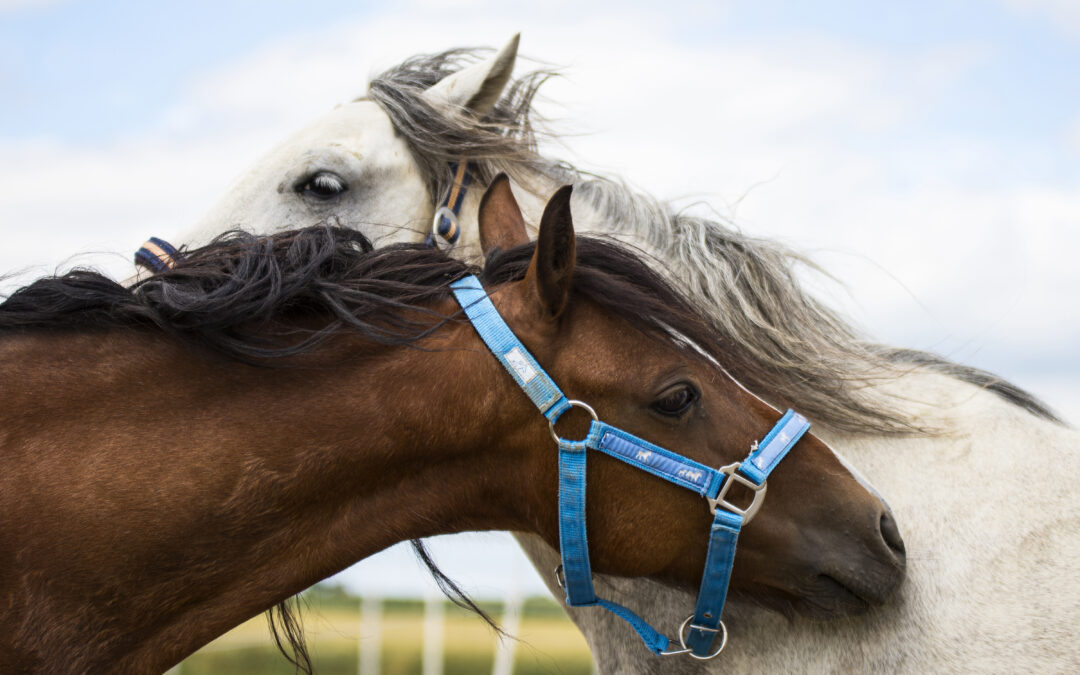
[[708, 482]]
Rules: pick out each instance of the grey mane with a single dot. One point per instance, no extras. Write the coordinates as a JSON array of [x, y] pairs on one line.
[[781, 343], [505, 140]]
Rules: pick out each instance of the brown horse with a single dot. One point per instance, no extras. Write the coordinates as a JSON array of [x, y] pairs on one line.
[[178, 457]]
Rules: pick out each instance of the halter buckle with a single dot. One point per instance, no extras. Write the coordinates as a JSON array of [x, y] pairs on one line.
[[733, 476]]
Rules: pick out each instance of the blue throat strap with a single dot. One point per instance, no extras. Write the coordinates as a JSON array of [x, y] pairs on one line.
[[712, 484]]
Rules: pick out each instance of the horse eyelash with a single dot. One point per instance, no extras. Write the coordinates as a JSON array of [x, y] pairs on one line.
[[328, 181]]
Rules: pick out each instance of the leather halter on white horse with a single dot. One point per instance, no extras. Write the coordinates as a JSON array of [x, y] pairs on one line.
[[444, 224], [575, 574]]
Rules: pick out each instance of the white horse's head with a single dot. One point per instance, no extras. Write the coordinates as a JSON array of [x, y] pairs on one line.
[[353, 167]]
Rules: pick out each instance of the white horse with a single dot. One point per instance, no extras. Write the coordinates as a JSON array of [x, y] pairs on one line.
[[979, 474]]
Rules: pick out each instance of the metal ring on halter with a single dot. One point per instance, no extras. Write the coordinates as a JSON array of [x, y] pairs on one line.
[[448, 213], [572, 404], [690, 651]]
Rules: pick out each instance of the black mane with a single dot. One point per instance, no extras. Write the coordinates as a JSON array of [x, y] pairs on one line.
[[233, 295]]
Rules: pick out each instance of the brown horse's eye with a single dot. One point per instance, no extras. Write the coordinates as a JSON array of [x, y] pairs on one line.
[[676, 401]]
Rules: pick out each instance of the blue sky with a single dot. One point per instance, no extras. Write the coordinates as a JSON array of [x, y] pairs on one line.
[[120, 65], [926, 153]]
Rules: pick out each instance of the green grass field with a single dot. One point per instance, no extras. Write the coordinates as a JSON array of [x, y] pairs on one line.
[[548, 641]]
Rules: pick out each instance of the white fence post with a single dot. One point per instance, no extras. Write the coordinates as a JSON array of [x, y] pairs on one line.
[[506, 646], [370, 642], [434, 620]]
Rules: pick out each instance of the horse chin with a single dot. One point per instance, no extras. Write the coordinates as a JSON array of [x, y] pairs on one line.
[[822, 598], [828, 597]]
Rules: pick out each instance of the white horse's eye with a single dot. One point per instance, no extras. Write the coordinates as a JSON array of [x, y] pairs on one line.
[[322, 185]]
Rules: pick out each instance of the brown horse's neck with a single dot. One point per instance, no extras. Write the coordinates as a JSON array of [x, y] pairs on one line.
[[220, 490]]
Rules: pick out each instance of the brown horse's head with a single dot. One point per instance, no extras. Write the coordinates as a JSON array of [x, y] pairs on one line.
[[821, 543]]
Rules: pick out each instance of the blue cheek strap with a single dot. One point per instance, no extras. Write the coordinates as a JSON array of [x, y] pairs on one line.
[[700, 630]]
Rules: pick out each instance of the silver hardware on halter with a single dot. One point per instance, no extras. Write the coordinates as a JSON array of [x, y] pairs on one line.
[[573, 404], [441, 212], [733, 476], [560, 576], [687, 650]]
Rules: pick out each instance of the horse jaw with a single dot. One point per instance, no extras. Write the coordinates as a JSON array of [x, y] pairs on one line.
[[386, 197]]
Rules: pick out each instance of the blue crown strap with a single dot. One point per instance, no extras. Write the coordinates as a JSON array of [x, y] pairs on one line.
[[502, 342], [774, 447], [723, 536]]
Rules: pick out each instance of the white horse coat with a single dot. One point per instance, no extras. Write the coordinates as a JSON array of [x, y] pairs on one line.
[[987, 506]]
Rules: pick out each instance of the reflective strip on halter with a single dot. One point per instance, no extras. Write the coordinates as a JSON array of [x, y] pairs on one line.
[[575, 570]]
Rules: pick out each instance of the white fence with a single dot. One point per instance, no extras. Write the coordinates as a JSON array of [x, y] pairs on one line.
[[434, 647], [371, 634]]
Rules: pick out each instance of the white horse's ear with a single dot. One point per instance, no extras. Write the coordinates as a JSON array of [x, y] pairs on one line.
[[479, 86]]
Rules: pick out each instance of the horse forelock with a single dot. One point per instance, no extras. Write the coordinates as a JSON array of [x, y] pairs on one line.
[[781, 342]]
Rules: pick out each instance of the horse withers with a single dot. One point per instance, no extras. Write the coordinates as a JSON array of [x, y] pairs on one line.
[[184, 454]]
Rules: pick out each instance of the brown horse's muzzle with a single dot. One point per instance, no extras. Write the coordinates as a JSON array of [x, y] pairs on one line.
[[823, 548], [852, 573]]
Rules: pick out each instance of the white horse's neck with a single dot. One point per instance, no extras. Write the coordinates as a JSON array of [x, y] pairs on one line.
[[991, 519]]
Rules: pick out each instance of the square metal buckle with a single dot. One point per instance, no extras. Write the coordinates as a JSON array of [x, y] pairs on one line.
[[733, 476]]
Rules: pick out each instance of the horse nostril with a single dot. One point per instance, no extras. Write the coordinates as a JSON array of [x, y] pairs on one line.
[[891, 534]]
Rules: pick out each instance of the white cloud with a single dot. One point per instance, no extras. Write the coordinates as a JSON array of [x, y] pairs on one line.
[[1063, 15], [15, 5], [1072, 135]]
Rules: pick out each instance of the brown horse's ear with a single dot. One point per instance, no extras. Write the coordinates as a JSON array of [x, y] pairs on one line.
[[501, 224], [552, 268]]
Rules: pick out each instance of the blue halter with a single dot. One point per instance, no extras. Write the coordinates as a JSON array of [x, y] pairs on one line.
[[698, 632]]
